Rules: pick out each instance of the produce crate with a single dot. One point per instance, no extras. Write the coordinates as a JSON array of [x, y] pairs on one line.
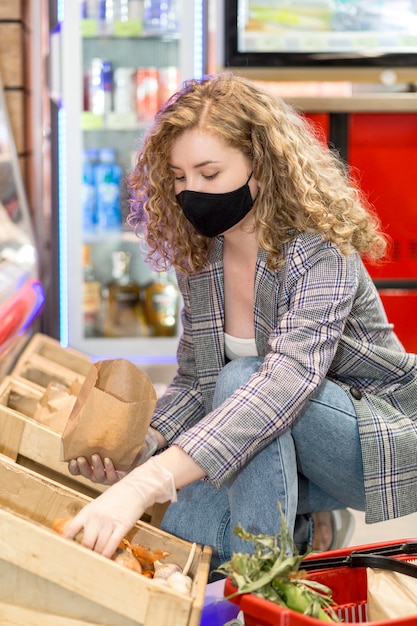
[[44, 360], [348, 585], [30, 443], [43, 573]]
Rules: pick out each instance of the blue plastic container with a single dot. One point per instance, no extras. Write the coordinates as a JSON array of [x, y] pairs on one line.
[[217, 611], [108, 177], [88, 191]]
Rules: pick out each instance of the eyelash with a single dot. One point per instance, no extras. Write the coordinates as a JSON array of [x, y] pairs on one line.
[[211, 177]]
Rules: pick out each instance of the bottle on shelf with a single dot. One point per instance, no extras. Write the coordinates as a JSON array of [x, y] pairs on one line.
[[106, 16], [136, 10], [123, 314], [99, 87], [124, 100], [161, 300], [108, 179], [88, 191], [161, 16], [91, 297]]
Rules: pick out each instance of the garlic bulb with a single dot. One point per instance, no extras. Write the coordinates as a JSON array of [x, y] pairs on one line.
[[180, 583], [165, 570]]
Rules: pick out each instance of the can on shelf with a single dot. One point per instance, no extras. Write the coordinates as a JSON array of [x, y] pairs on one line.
[[124, 90], [168, 83], [147, 84], [100, 82]]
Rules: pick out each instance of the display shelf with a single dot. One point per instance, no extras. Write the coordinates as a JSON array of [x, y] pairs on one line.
[[128, 46]]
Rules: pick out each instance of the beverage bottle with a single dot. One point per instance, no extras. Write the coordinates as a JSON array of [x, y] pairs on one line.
[[91, 297], [124, 90], [89, 9], [88, 191], [106, 10], [152, 16], [121, 11], [99, 86], [136, 10], [107, 84], [123, 315], [172, 19], [161, 306], [83, 9], [108, 177]]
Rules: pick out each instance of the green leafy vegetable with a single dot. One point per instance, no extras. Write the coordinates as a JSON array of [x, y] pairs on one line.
[[272, 572]]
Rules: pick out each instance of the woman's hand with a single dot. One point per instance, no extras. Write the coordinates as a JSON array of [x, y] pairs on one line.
[[100, 471], [103, 470], [106, 519]]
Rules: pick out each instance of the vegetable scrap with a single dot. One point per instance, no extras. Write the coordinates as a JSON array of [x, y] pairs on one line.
[[145, 561], [272, 572]]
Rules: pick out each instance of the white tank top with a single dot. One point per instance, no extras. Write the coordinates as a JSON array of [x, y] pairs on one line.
[[236, 347]]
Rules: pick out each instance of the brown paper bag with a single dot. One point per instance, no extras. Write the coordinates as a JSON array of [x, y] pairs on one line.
[[111, 415], [390, 595]]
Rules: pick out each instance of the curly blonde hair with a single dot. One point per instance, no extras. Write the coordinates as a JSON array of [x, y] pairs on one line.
[[304, 186]]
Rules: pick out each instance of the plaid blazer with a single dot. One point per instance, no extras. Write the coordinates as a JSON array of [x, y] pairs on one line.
[[318, 316]]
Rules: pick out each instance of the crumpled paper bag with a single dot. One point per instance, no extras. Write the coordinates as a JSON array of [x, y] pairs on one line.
[[55, 405], [390, 595], [111, 414]]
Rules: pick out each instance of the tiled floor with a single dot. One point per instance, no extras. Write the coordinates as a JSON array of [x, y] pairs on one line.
[[401, 528]]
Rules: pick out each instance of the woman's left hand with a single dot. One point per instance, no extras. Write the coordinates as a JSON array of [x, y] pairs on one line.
[[100, 471]]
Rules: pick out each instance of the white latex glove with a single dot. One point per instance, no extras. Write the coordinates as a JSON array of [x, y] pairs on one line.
[[108, 518], [103, 470], [149, 447]]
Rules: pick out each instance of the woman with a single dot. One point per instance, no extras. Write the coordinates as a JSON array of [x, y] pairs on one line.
[[292, 386]]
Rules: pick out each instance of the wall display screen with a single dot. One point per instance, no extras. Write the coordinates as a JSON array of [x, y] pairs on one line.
[[354, 33]]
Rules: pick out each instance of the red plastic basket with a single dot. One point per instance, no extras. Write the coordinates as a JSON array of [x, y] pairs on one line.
[[349, 591]]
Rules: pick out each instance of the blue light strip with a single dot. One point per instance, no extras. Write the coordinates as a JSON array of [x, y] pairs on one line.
[[62, 229], [60, 10], [198, 39]]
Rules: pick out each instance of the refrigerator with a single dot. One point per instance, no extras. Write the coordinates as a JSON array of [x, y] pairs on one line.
[[21, 292], [146, 42]]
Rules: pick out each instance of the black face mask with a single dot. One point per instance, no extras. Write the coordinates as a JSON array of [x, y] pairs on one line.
[[213, 213]]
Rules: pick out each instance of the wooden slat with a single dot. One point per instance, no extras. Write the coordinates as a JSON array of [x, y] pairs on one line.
[[15, 109], [19, 616], [11, 10], [11, 54]]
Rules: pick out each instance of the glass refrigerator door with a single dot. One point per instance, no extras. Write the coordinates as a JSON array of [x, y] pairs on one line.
[[21, 293], [111, 72]]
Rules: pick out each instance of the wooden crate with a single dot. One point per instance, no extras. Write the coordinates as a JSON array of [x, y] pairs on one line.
[[30, 443], [43, 572], [44, 360]]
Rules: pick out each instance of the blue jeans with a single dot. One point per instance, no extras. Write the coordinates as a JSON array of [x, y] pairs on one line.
[[315, 466]]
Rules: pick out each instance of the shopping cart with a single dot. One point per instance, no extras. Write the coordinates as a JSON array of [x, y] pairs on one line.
[[344, 572]]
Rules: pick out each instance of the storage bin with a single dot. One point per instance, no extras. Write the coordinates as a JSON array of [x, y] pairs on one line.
[[44, 360], [348, 585], [30, 443], [43, 573]]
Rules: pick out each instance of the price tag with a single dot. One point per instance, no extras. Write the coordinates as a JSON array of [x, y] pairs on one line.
[[128, 28], [88, 28], [91, 121]]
